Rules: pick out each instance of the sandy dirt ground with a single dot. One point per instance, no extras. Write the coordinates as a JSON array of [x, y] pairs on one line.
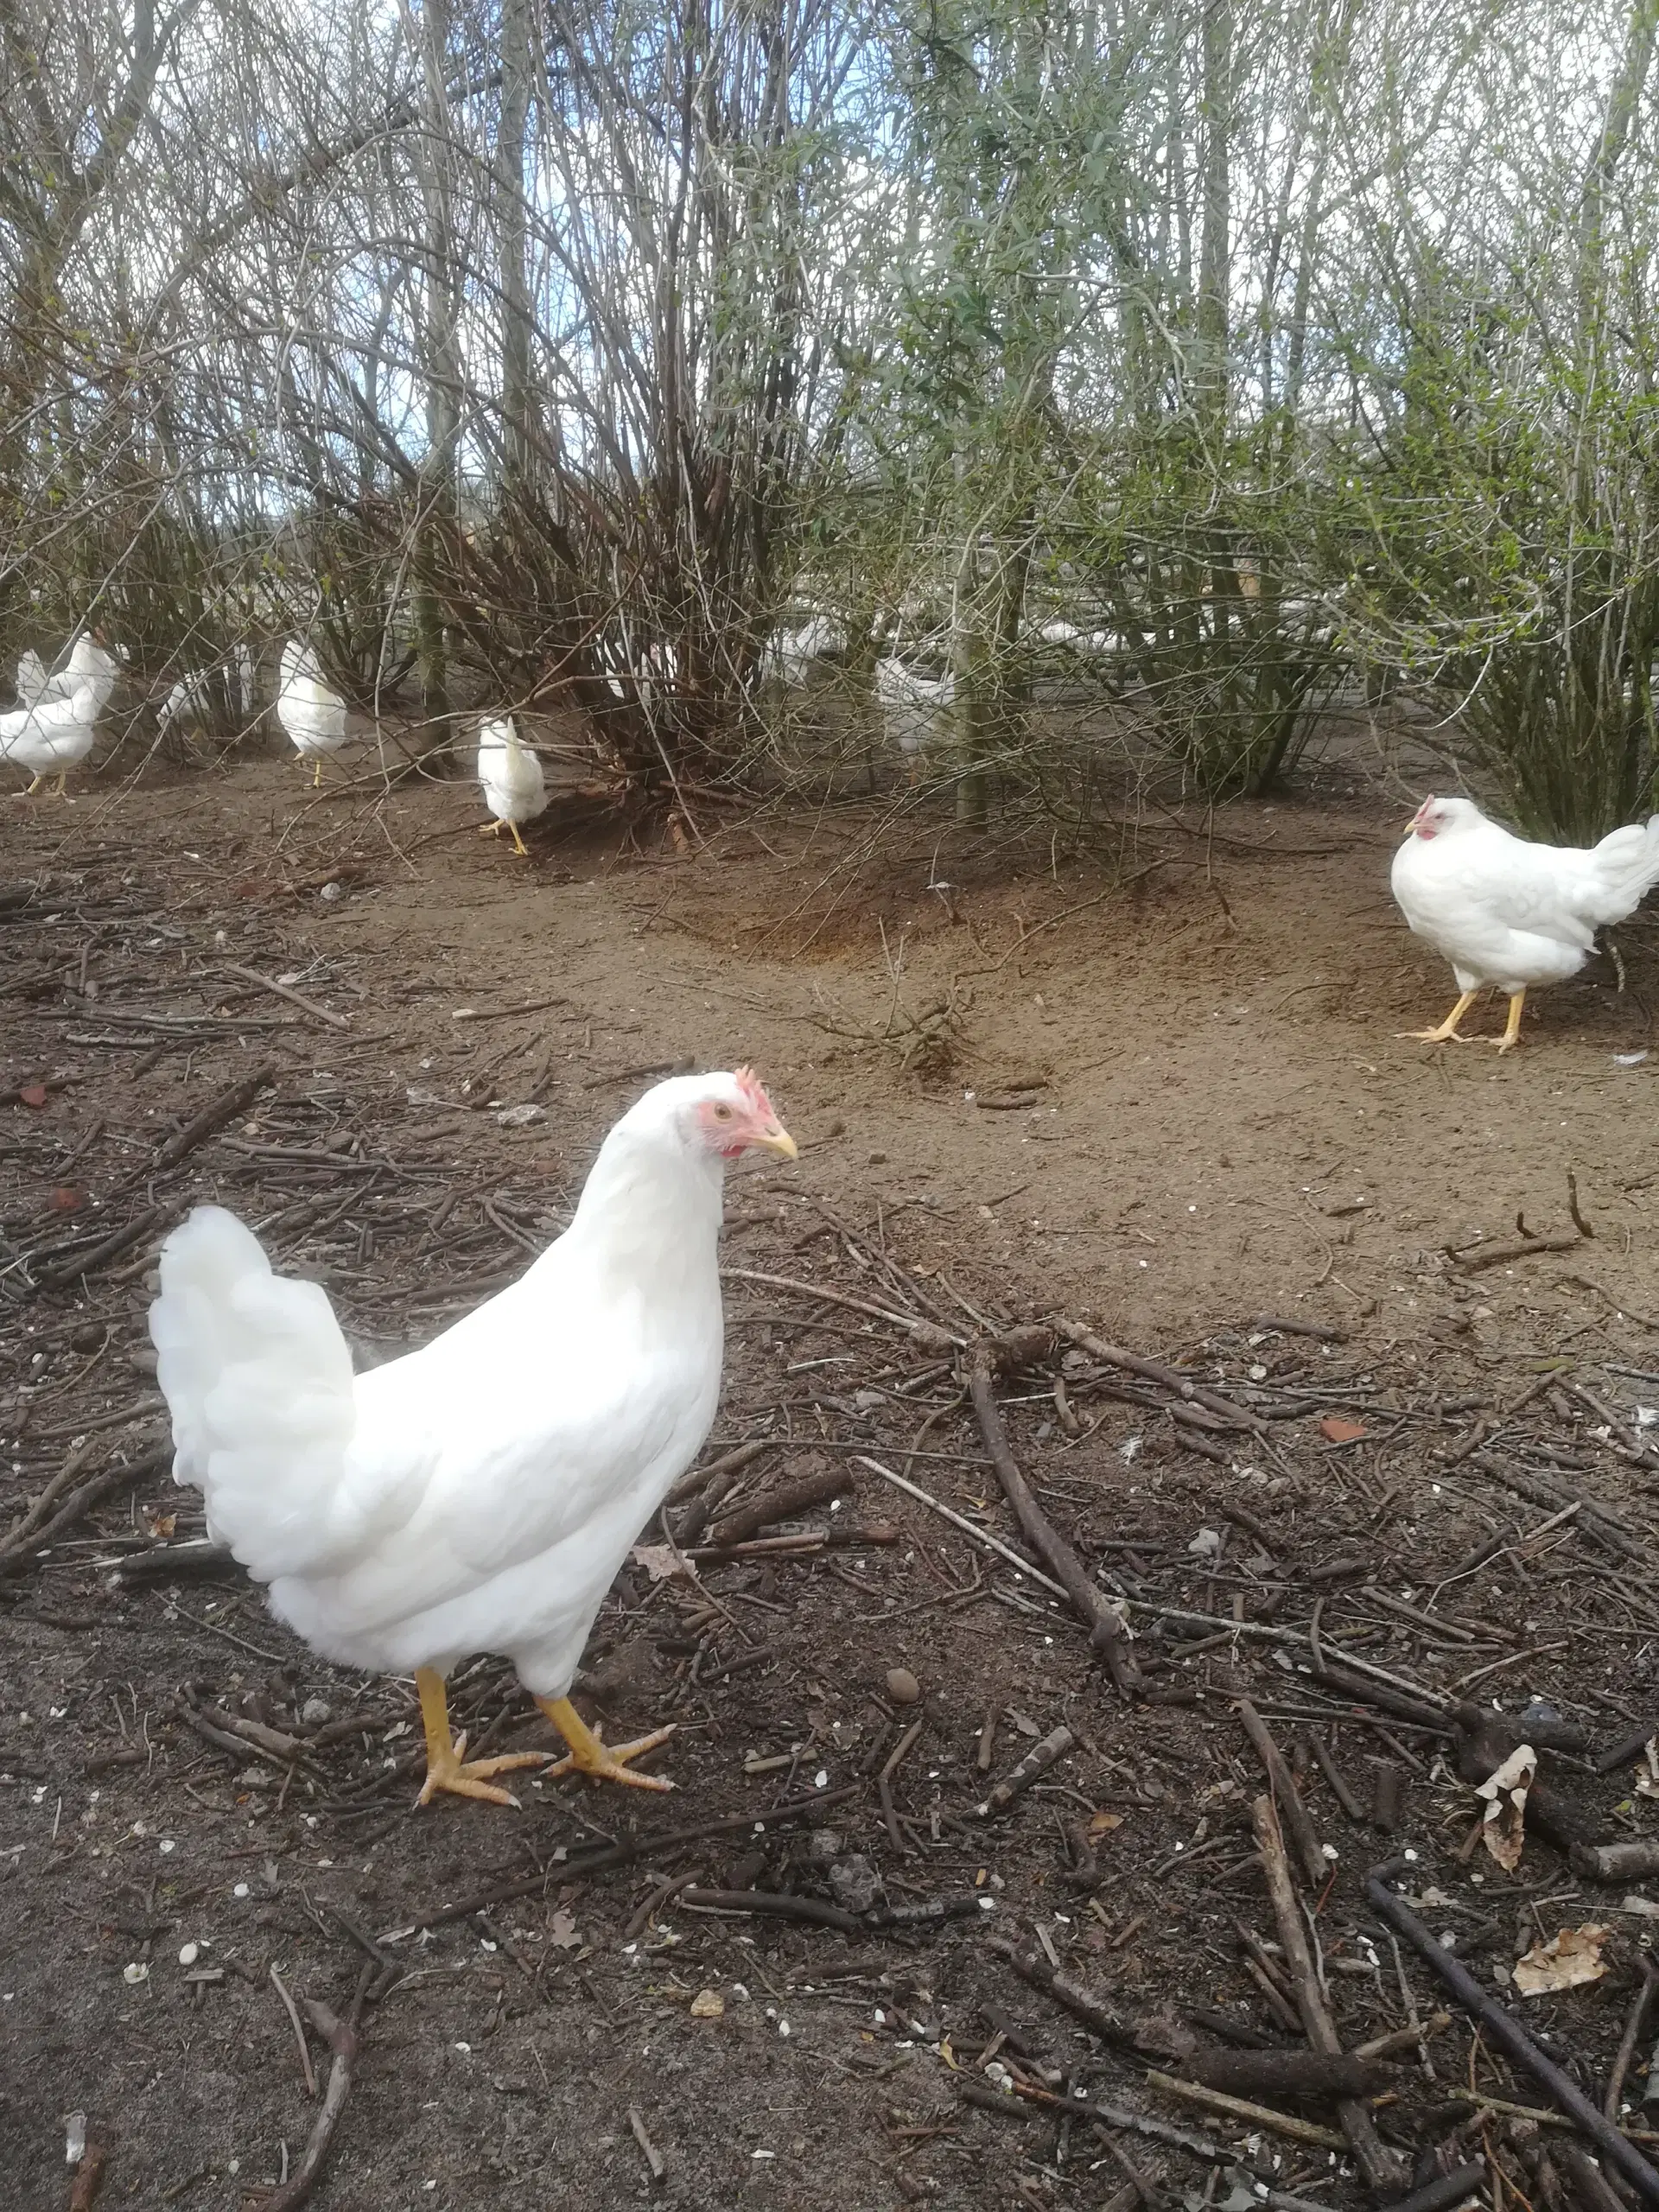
[[1163, 1099]]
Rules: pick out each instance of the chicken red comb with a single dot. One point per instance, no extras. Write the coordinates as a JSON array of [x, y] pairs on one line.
[[752, 1089]]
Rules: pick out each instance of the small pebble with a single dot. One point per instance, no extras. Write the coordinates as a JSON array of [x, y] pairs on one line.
[[315, 1711], [902, 1686], [188, 1954]]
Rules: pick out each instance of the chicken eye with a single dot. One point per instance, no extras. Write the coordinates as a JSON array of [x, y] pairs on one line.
[[723, 1113]]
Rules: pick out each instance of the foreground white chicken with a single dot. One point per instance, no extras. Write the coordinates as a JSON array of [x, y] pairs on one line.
[[1505, 912], [313, 716], [479, 1494], [515, 789], [51, 736]]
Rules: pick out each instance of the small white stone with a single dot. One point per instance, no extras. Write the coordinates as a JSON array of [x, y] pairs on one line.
[[188, 1954]]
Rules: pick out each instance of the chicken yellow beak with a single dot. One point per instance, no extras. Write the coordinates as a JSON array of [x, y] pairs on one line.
[[777, 1139]]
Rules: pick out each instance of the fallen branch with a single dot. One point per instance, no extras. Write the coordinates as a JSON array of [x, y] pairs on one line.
[[729, 1463], [341, 2040], [773, 1905], [1150, 2038], [928, 1334], [606, 1859], [1154, 1371], [286, 991], [81, 1502], [1497, 1255], [785, 1504], [85, 1263], [89, 2178], [1286, 1795], [1283, 2123], [1383, 2171], [1038, 1760], [1287, 2072], [1444, 2191], [1028, 2100], [1106, 1630], [1504, 2029], [959, 1521], [214, 1115]]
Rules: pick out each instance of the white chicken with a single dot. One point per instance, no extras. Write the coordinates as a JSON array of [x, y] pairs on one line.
[[91, 661], [916, 708], [313, 716], [791, 656], [49, 737], [515, 788], [479, 1494], [1505, 912], [202, 696]]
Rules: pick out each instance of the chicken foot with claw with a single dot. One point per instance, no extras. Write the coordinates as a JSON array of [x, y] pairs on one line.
[[590, 1755], [445, 1767], [1447, 1032]]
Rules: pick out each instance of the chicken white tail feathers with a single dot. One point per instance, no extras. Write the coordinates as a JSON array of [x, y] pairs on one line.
[[1626, 867], [258, 1381]]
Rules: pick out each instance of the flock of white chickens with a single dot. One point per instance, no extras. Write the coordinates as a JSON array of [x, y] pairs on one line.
[[53, 725], [483, 1492]]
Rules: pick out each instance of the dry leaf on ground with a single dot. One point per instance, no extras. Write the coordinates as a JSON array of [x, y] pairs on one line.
[[1573, 1956], [1647, 1775], [658, 1560], [561, 1932], [1336, 1430], [1503, 1830]]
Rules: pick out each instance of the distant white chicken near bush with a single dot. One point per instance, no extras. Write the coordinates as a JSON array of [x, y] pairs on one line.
[[514, 785], [481, 1494], [1505, 912], [313, 716]]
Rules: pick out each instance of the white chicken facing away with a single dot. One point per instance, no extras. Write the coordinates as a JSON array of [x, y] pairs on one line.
[[51, 736], [515, 788], [479, 1494], [313, 716], [1505, 912]]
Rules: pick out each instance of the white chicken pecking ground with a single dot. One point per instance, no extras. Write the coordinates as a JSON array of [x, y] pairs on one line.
[[1506, 912], [479, 1494], [515, 788], [313, 716]]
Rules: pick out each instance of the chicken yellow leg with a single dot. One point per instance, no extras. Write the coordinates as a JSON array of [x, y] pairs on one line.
[[1511, 1036], [588, 1755], [316, 778], [518, 844], [1448, 1028], [445, 1769]]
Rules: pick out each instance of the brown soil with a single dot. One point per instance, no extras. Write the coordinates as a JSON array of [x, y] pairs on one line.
[[1167, 1098]]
